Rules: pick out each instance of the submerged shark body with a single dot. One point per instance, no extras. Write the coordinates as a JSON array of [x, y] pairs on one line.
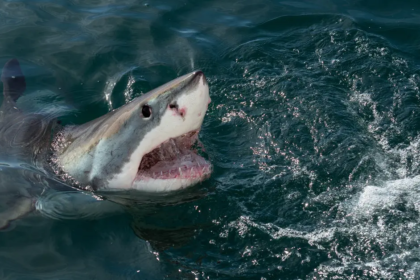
[[144, 145]]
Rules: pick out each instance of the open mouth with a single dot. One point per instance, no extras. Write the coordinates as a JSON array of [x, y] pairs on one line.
[[175, 159]]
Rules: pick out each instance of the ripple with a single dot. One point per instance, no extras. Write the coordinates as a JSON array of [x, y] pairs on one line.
[[74, 206]]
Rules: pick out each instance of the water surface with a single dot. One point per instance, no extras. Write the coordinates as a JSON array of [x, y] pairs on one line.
[[313, 132]]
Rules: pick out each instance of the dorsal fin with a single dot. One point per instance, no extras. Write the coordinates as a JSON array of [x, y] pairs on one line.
[[13, 84], [13, 80]]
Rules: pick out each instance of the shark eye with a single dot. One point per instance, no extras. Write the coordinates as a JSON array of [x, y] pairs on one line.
[[146, 111]]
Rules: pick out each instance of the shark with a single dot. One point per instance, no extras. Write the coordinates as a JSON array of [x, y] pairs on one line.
[[146, 145]]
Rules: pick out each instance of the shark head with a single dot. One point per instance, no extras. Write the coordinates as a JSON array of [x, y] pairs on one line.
[[144, 145]]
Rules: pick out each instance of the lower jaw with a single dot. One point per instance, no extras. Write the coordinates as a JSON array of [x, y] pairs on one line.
[[172, 179], [166, 185]]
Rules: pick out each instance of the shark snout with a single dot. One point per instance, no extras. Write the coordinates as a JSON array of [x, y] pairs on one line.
[[189, 108]]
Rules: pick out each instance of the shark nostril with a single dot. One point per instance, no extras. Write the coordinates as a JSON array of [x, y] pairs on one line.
[[173, 106], [146, 111], [176, 110]]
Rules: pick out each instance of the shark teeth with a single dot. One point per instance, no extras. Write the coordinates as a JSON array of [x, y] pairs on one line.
[[172, 170]]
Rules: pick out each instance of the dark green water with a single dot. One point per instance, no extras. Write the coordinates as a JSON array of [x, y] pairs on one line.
[[313, 132]]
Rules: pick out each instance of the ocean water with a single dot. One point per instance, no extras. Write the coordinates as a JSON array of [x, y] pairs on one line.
[[313, 132]]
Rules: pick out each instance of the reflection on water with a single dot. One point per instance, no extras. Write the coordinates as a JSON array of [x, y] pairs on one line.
[[160, 229]]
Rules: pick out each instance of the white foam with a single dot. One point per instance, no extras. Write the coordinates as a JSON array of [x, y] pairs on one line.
[[386, 196], [244, 223]]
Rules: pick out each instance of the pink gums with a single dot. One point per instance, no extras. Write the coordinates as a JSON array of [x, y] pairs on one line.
[[174, 159]]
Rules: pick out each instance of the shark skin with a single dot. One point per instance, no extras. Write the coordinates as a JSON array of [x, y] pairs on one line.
[[145, 145]]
